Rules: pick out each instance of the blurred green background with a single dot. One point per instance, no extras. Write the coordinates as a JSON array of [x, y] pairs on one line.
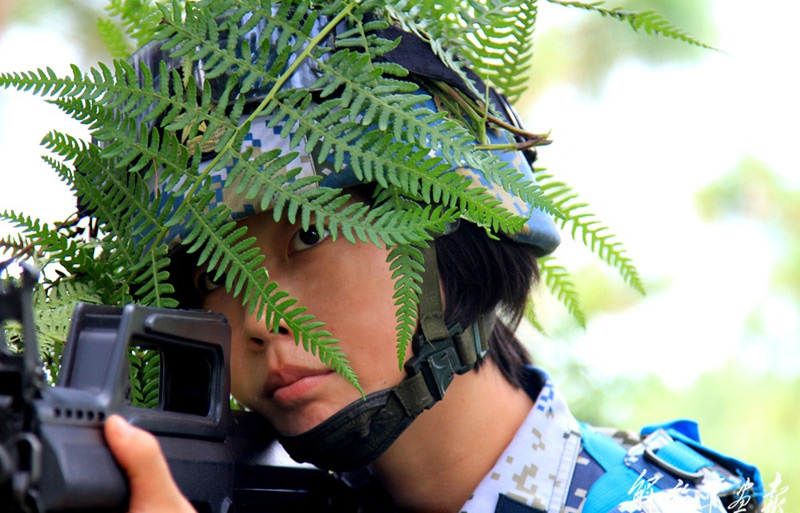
[[687, 154]]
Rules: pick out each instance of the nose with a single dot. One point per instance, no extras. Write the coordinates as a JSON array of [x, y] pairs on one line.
[[257, 332]]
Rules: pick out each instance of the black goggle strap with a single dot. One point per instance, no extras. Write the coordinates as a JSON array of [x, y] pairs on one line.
[[440, 351]]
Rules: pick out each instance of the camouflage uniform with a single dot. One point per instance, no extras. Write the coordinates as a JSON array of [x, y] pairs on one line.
[[546, 468]]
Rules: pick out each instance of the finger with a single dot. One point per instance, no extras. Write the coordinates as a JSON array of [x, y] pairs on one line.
[[139, 454]]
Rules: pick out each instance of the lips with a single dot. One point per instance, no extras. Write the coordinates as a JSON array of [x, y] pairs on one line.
[[288, 382]]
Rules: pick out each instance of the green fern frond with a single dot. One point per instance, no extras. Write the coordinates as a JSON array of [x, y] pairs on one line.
[[101, 97], [144, 373], [151, 374], [151, 276], [136, 397], [649, 21], [35, 236], [492, 38], [584, 226], [12, 244], [113, 38], [266, 177], [501, 50], [64, 172], [406, 264], [60, 246], [558, 280], [138, 18], [119, 198], [377, 156], [29, 226], [130, 220], [532, 318], [53, 306]]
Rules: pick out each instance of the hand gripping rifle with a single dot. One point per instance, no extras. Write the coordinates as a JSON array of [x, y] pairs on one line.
[[53, 455]]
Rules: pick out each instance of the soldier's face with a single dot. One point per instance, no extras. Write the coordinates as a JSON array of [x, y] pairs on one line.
[[348, 287]]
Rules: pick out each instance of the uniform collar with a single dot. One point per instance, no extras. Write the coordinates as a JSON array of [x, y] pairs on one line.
[[536, 467]]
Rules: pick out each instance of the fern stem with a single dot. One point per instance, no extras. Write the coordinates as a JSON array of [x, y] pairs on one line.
[[534, 139], [511, 146], [291, 69]]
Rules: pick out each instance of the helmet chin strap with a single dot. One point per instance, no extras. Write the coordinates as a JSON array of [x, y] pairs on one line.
[[359, 433]]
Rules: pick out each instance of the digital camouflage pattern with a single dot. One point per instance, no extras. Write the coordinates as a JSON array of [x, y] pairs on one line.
[[545, 468]]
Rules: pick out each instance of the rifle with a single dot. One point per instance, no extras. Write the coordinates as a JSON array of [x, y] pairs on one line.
[[53, 455]]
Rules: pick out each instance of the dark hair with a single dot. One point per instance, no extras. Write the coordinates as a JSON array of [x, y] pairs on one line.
[[480, 275]]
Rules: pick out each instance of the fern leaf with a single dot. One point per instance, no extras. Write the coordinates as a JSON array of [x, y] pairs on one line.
[[266, 177], [500, 51], [152, 275], [406, 263], [378, 156], [37, 236], [531, 317], [130, 220], [13, 243], [150, 376], [589, 230], [145, 370], [113, 38], [53, 307], [649, 21], [444, 48], [558, 280], [138, 18]]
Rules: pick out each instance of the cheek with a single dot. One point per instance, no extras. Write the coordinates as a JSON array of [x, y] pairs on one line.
[[360, 312], [244, 372], [244, 376]]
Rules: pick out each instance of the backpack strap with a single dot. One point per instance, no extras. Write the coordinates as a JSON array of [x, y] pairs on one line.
[[686, 431], [669, 456], [613, 486]]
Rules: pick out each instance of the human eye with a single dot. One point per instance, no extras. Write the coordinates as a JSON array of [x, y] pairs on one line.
[[205, 283], [305, 239]]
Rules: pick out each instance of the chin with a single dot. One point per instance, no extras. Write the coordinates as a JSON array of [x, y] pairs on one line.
[[298, 422]]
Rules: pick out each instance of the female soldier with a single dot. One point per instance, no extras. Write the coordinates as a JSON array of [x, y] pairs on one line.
[[500, 439]]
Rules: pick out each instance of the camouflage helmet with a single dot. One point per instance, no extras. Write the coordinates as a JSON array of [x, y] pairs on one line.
[[266, 135]]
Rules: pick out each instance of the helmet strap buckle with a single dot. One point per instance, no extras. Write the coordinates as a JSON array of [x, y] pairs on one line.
[[437, 360], [440, 351]]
